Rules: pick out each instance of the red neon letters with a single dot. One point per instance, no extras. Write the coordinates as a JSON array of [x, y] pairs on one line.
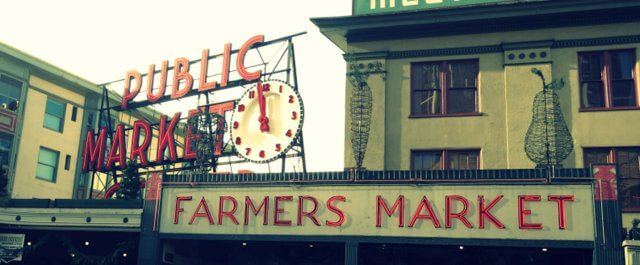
[[183, 81], [523, 212], [308, 210], [96, 152]]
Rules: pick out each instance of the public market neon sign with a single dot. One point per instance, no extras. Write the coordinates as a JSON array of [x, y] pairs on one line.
[[95, 157]]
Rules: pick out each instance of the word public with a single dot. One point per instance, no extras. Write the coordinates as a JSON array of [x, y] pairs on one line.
[[95, 145], [133, 80], [289, 210]]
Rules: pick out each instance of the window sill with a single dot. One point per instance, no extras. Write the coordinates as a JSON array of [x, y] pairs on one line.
[[46, 180], [425, 116], [609, 109], [631, 210], [53, 130]]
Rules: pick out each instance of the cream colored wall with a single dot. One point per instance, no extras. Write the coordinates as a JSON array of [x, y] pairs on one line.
[[34, 135], [505, 95]]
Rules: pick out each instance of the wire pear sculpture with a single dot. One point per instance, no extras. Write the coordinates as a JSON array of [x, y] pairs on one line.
[[548, 141], [360, 106]]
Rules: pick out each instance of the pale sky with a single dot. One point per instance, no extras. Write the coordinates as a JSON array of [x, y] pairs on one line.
[[101, 40]]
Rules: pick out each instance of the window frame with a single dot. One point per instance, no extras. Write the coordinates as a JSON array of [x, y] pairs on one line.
[[55, 169], [612, 158], [19, 100], [607, 80], [74, 113], [67, 162], [64, 113], [444, 157], [444, 85]]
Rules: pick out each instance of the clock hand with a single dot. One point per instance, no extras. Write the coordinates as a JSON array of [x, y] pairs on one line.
[[264, 121]]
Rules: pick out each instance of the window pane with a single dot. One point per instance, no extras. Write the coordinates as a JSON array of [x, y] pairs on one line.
[[104, 122], [426, 102], [10, 87], [622, 65], [628, 164], [52, 122], [590, 67], [426, 76], [461, 101], [596, 156], [55, 108], [630, 194], [463, 74], [45, 172], [462, 159], [6, 141], [623, 94], [592, 95], [426, 160], [10, 91], [48, 157]]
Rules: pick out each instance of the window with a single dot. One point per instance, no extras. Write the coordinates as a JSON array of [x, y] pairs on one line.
[[74, 113], [67, 162], [607, 79], [54, 115], [628, 162], [10, 93], [47, 164], [445, 160], [6, 143], [440, 88]]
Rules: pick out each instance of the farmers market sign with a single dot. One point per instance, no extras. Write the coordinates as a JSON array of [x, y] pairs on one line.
[[364, 7], [532, 212]]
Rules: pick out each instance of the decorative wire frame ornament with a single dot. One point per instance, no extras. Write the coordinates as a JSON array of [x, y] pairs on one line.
[[548, 141], [207, 129], [360, 106]]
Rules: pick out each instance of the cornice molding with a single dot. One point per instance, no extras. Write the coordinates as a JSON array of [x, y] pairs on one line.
[[87, 219], [557, 44], [596, 41]]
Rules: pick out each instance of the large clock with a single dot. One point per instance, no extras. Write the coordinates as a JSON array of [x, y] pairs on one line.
[[266, 121]]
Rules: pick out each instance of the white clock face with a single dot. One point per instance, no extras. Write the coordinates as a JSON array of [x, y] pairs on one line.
[[264, 128]]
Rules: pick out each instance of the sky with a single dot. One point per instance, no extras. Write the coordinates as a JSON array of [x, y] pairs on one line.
[[101, 40]]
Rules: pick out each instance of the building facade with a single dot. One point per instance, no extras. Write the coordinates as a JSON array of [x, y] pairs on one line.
[[46, 116], [450, 105], [46, 112], [458, 91], [463, 83]]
